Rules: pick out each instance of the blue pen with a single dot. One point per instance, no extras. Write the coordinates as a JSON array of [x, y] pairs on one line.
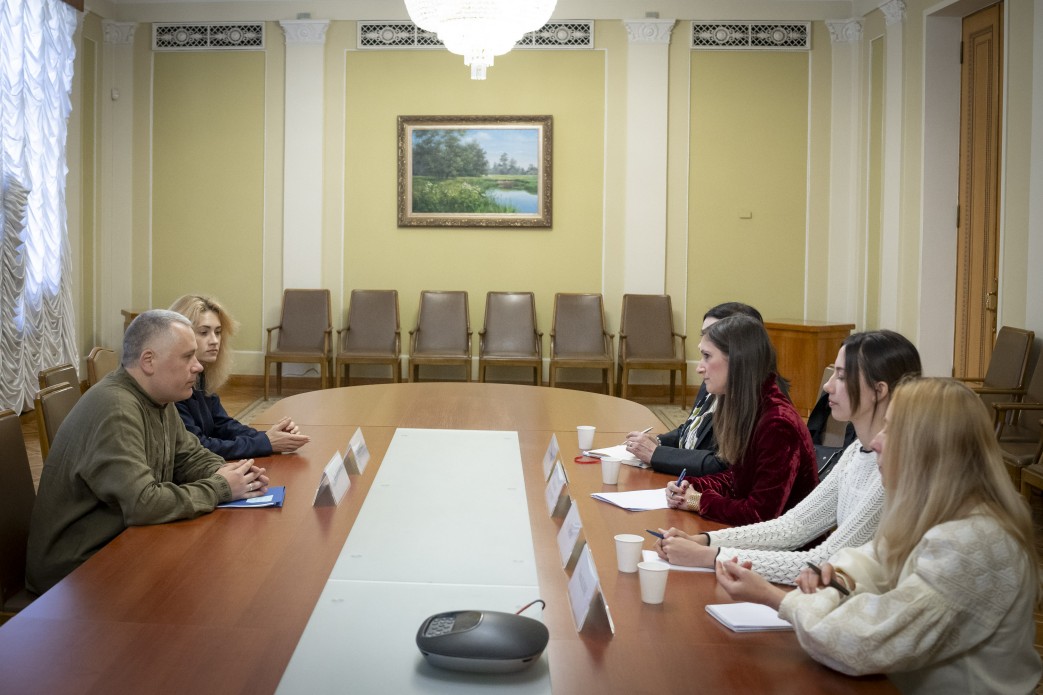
[[680, 478], [655, 533]]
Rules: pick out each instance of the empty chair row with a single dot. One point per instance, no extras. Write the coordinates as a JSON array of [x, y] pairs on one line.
[[442, 335]]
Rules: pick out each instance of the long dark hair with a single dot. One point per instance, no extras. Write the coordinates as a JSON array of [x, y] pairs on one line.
[[751, 360], [878, 356]]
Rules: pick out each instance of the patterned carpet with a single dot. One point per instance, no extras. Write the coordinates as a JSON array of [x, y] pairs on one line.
[[250, 412], [671, 415]]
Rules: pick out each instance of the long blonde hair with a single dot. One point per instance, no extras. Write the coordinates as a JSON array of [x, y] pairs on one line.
[[941, 462], [192, 306]]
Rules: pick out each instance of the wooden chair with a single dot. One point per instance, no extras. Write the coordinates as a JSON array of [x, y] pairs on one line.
[[1032, 476], [1007, 366], [1019, 434], [579, 338], [372, 335], [647, 340], [16, 484], [52, 406], [100, 362], [443, 333], [510, 337], [62, 374], [305, 335]]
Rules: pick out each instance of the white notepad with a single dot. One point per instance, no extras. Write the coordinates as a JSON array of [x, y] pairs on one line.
[[634, 500], [748, 617], [620, 452]]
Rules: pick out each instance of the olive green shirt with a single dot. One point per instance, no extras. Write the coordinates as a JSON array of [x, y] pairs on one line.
[[119, 459]]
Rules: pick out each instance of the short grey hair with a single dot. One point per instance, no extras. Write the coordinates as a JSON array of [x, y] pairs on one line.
[[143, 329]]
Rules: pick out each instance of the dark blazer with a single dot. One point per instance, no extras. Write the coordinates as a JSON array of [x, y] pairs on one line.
[[671, 458], [205, 417]]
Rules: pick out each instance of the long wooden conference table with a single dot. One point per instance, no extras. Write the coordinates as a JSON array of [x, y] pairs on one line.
[[219, 603]]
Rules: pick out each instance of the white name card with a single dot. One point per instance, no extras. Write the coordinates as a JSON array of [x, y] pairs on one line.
[[550, 456], [584, 587], [555, 490], [333, 483], [568, 536], [358, 454]]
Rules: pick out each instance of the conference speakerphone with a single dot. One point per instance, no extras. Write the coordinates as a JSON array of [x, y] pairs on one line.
[[482, 641]]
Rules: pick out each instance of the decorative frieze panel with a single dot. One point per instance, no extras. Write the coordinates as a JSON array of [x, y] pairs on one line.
[[752, 35], [404, 35], [236, 36]]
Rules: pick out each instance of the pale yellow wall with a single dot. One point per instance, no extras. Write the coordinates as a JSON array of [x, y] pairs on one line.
[[382, 85], [207, 181], [819, 180], [81, 198], [748, 153], [874, 186]]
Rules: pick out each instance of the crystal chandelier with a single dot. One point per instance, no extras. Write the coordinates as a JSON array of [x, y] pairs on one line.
[[479, 30]]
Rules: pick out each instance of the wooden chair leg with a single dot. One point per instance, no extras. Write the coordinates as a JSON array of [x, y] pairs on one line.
[[673, 382], [278, 378], [550, 375], [267, 370]]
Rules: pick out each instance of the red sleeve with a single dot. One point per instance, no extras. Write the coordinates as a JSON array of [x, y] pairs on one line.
[[762, 483]]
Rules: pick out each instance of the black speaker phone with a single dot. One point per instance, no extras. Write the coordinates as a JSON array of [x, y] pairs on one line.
[[481, 641]]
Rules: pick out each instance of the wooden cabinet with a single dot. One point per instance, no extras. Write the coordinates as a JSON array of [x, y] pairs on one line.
[[804, 349]]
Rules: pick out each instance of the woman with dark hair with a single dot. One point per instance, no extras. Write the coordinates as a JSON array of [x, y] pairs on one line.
[[691, 446], [771, 460], [847, 504], [202, 412], [941, 599]]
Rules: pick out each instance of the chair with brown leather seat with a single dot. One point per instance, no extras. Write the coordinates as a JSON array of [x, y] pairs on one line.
[[443, 333], [305, 335], [52, 406], [62, 374], [1017, 423], [372, 335], [1007, 366], [510, 337], [647, 340], [100, 362], [579, 338], [18, 495]]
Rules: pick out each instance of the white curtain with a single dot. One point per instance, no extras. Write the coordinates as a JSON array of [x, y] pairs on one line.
[[36, 310]]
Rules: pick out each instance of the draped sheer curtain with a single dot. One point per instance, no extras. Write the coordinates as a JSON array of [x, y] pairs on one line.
[[37, 326]]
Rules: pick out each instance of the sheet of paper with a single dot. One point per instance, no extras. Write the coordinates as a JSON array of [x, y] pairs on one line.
[[555, 486], [635, 500], [651, 556], [583, 586], [569, 534], [620, 452], [747, 617], [550, 456]]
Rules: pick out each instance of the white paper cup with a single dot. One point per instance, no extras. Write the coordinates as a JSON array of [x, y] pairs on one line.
[[585, 434], [610, 470], [652, 576], [628, 551]]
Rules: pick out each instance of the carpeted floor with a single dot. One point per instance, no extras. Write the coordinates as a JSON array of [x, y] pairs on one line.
[[248, 414], [671, 415]]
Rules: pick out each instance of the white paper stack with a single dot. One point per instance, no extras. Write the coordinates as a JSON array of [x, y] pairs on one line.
[[747, 617], [620, 452], [634, 500]]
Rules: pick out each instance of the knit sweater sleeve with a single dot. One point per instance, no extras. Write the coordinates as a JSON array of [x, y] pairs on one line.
[[957, 586], [851, 499]]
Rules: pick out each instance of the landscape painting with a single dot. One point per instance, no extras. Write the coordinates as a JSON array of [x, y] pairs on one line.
[[474, 171]]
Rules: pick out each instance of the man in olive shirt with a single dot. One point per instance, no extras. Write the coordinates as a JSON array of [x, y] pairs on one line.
[[122, 457]]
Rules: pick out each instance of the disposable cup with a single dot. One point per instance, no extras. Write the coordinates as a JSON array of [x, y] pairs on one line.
[[652, 577], [610, 470], [628, 551], [585, 434]]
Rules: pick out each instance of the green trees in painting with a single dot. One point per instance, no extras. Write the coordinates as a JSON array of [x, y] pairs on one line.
[[451, 174]]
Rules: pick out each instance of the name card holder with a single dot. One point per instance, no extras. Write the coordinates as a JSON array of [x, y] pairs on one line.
[[556, 493], [569, 538], [587, 601], [333, 483], [357, 457], [550, 456]]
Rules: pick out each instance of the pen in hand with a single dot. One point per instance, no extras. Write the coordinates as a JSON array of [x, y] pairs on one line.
[[644, 431], [832, 582], [655, 533]]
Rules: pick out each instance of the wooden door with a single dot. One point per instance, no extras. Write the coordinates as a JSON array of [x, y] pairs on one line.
[[977, 280]]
